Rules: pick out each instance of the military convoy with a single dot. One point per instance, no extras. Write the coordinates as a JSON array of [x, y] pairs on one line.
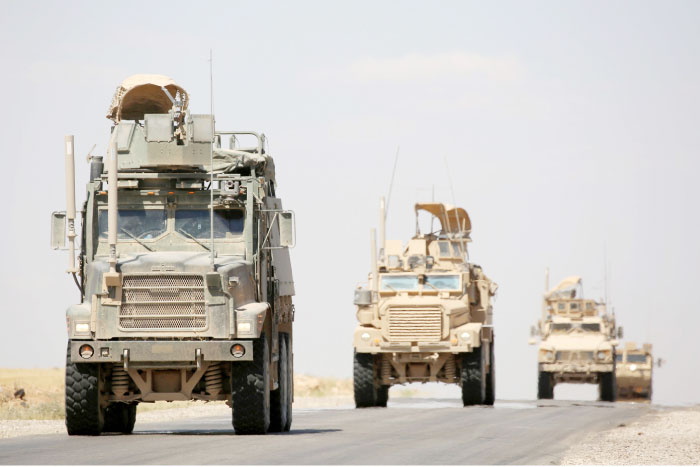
[[426, 314], [577, 341], [635, 367], [183, 269]]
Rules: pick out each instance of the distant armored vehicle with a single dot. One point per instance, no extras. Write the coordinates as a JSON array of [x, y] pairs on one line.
[[635, 366], [577, 341], [426, 315], [183, 270]]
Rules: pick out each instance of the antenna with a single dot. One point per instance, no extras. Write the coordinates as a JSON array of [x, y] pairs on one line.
[[211, 160], [391, 183], [605, 272]]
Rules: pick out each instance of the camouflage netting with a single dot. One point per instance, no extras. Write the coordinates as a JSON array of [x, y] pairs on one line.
[[143, 94]]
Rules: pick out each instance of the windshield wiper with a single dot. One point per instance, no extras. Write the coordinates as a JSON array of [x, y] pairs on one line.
[[135, 238], [431, 285], [387, 285], [189, 235]]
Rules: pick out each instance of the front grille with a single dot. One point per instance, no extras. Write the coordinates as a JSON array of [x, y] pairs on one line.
[[579, 356], [416, 324], [163, 302]]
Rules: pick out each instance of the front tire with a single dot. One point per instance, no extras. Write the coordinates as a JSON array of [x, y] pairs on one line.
[[607, 386], [120, 418], [250, 391], [473, 377], [83, 413], [545, 385], [364, 387], [280, 398], [491, 377]]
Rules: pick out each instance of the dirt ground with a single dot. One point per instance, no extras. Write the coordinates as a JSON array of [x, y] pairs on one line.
[[663, 437]]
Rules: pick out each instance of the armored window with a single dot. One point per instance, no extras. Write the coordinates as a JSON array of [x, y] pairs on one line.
[[445, 251], [636, 358], [442, 282], [618, 357], [396, 283], [456, 250], [562, 306], [561, 327], [228, 223], [589, 306], [143, 224], [573, 306], [591, 327]]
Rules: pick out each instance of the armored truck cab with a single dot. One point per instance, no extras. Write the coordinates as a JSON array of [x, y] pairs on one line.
[[635, 368], [426, 314], [183, 269], [577, 341]]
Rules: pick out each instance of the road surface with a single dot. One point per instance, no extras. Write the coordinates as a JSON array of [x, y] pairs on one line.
[[410, 431]]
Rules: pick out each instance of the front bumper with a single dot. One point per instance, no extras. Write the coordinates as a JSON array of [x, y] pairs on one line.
[[579, 368], [439, 347], [161, 351]]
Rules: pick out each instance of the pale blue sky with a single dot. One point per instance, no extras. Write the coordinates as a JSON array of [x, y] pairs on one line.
[[568, 126]]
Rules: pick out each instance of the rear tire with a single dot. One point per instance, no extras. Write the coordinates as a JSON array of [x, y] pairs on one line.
[[120, 418], [607, 386], [545, 385], [290, 376], [279, 398], [364, 386], [491, 377], [250, 391], [473, 377], [382, 396], [83, 413]]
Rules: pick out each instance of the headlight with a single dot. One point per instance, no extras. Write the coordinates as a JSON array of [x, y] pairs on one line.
[[237, 350], [86, 351], [244, 327], [365, 336], [633, 367], [82, 327], [601, 355], [547, 354], [465, 336]]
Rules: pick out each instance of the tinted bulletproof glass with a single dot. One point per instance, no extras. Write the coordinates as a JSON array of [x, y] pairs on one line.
[[143, 224], [619, 357], [636, 358], [442, 282], [196, 222], [399, 282], [591, 327], [561, 327], [445, 249]]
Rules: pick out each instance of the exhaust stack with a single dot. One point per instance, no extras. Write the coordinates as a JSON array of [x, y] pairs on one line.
[[375, 272], [112, 204], [70, 201]]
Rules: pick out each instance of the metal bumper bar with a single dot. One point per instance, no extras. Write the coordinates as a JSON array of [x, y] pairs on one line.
[[160, 351]]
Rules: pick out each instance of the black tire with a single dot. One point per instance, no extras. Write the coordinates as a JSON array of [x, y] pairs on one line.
[[545, 385], [120, 418], [382, 396], [607, 386], [491, 377], [279, 398], [290, 376], [250, 391], [364, 386], [83, 413], [473, 377]]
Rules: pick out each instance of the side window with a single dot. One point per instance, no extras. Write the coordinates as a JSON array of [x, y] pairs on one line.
[[445, 249], [573, 306], [561, 306], [456, 250]]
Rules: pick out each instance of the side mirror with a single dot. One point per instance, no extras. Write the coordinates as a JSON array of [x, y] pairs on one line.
[[619, 332], [533, 331], [660, 362], [58, 230], [287, 229]]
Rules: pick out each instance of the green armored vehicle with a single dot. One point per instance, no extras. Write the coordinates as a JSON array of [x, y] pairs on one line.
[[183, 269], [426, 315], [635, 370], [577, 341]]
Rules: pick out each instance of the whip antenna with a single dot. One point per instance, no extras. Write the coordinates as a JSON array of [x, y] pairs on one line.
[[391, 183], [211, 159]]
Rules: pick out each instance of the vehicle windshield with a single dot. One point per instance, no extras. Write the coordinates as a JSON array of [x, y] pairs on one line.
[[566, 327], [196, 223], [396, 282], [632, 358], [143, 224]]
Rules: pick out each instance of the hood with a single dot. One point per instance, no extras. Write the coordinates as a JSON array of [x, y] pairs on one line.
[[578, 341]]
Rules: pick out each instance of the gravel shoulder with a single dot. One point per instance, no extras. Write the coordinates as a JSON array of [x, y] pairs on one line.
[[662, 437]]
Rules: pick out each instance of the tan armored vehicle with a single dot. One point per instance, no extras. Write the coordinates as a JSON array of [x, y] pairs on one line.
[[426, 314], [577, 341], [635, 366], [183, 269]]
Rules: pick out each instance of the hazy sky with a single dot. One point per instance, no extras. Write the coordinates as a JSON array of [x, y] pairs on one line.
[[570, 128]]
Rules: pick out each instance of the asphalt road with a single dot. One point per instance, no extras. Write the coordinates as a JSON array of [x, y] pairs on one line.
[[410, 431]]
